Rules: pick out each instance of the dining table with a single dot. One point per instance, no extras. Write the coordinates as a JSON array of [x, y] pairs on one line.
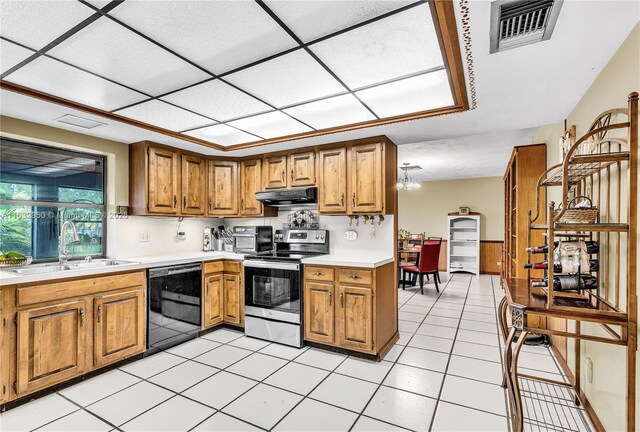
[[401, 264]]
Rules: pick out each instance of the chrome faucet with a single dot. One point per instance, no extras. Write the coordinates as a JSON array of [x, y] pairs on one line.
[[63, 256]]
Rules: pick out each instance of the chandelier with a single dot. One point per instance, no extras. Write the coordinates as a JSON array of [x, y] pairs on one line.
[[405, 182]]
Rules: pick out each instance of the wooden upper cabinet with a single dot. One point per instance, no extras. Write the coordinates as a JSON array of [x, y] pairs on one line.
[[274, 169], [120, 326], [332, 181], [223, 188], [194, 171], [250, 184], [367, 178], [51, 345], [302, 169], [164, 181], [355, 318]]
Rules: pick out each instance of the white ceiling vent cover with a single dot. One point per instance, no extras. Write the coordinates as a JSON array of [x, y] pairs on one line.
[[78, 121], [515, 23]]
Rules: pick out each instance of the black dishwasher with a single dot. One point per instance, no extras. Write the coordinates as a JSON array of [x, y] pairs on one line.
[[174, 304]]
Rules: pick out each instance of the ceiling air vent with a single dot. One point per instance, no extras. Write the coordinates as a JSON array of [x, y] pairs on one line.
[[515, 23], [78, 121]]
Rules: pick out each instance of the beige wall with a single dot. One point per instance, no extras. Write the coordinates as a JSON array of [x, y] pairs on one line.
[[620, 77], [425, 210]]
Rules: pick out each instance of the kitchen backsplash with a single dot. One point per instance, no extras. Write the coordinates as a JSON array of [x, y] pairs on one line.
[[125, 234]]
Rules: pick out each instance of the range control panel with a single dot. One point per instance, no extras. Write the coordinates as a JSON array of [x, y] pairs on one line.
[[316, 236]]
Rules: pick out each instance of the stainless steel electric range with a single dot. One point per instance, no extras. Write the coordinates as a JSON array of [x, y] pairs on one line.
[[273, 285]]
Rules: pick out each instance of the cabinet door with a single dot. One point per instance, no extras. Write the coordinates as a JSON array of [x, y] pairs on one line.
[[223, 188], [302, 167], [332, 184], [233, 300], [51, 345], [367, 178], [318, 312], [213, 296], [163, 185], [355, 318], [275, 172], [249, 185], [194, 171], [120, 326]]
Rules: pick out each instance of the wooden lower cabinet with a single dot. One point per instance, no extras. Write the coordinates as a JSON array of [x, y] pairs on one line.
[[51, 345], [79, 326], [319, 312], [351, 308], [212, 310], [119, 326], [355, 319], [223, 294]]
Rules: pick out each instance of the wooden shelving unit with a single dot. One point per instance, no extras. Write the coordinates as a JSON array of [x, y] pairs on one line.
[[608, 175]]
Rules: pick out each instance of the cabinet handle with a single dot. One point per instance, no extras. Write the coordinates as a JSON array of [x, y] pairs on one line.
[[209, 203], [175, 201], [184, 201], [81, 317], [282, 176], [318, 273], [242, 203], [330, 298], [341, 299], [355, 277], [342, 199], [99, 312], [291, 174], [353, 199]]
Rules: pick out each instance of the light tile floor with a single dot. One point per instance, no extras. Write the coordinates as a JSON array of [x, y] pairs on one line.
[[444, 374]]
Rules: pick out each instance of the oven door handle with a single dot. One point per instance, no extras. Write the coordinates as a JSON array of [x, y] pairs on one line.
[[272, 265]]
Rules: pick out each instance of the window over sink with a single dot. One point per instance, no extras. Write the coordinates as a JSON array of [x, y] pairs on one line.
[[41, 187]]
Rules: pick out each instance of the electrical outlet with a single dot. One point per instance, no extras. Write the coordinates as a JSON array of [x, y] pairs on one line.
[[143, 236]]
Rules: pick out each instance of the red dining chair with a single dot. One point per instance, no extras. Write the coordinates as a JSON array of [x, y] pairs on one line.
[[427, 264]]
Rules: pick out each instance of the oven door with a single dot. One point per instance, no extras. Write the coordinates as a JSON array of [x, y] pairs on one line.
[[273, 290]]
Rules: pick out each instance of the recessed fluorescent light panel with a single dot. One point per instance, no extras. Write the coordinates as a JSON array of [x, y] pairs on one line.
[[78, 121]]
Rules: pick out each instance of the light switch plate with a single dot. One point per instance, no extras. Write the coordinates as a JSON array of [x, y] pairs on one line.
[[350, 235], [143, 236]]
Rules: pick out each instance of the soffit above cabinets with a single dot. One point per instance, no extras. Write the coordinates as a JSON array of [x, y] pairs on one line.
[[236, 74]]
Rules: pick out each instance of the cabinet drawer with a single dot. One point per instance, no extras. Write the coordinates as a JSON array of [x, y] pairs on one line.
[[213, 267], [319, 273], [232, 266], [75, 288], [356, 276]]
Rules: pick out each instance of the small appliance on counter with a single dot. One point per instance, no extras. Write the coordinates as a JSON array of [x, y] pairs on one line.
[[252, 239], [273, 285]]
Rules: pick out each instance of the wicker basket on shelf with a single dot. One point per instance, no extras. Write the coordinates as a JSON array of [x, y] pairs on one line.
[[580, 214], [15, 262]]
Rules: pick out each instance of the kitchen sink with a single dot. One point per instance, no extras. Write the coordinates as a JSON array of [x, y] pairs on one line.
[[77, 265]]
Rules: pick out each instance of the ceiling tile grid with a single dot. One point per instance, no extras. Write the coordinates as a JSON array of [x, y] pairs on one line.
[[164, 115], [223, 134], [217, 35], [271, 83], [36, 23], [51, 76], [110, 50], [12, 55], [218, 100]]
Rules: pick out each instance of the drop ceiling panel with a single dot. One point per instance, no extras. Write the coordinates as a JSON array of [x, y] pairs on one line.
[[313, 19], [162, 114], [395, 46], [112, 51], [12, 54], [37, 23], [222, 134], [217, 100], [288, 79], [335, 111], [271, 125], [56, 78], [419, 93], [217, 35]]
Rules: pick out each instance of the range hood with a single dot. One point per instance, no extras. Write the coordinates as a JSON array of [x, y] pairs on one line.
[[285, 198]]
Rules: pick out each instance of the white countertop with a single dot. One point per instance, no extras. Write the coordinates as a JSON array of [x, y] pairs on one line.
[[355, 260], [9, 278]]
